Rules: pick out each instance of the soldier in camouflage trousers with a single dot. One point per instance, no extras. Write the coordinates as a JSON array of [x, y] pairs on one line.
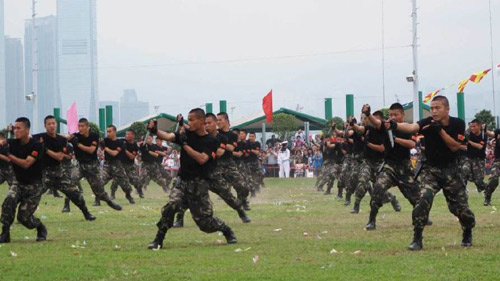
[[151, 171], [473, 168], [7, 174], [133, 178]]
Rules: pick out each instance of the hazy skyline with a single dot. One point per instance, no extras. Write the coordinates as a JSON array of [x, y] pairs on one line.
[[182, 54]]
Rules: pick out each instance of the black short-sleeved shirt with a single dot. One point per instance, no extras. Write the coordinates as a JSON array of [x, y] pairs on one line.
[[358, 146], [221, 143], [91, 140], [375, 137], [473, 152], [398, 153], [334, 154], [241, 147], [253, 146], [437, 152], [160, 157], [57, 144], [69, 151], [32, 149], [497, 144], [232, 139], [190, 169], [113, 145], [130, 147], [145, 156], [3, 151]]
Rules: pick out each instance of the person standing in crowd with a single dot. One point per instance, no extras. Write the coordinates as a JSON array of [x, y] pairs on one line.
[[284, 160]]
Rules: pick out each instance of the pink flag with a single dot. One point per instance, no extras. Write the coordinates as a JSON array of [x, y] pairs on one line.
[[72, 119]]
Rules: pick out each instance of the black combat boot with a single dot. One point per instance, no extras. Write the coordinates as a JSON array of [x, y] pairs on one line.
[[130, 198], [429, 222], [246, 206], [355, 209], [395, 204], [328, 190], [88, 216], [371, 225], [97, 202], [339, 194], [347, 199], [41, 233], [179, 222], [417, 244], [113, 205], [487, 200], [158, 242], [467, 237], [230, 237], [57, 194], [113, 193], [243, 216], [5, 236], [66, 208]]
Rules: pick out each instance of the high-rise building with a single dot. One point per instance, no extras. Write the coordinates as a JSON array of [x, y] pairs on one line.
[[132, 109], [116, 111], [14, 79], [47, 69], [77, 53], [3, 99]]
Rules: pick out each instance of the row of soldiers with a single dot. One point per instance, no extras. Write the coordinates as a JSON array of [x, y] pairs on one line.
[[374, 155], [33, 164]]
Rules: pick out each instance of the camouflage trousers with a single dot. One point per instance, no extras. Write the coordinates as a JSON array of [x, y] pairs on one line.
[[434, 179], [56, 179], [473, 168], [368, 174], [394, 174], [152, 171], [114, 170], [345, 172], [192, 194], [353, 173], [72, 172], [493, 182], [91, 172], [233, 176], [132, 176], [7, 175], [256, 175], [331, 172], [28, 197]]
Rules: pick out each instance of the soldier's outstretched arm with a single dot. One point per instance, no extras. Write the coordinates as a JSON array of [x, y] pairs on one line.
[[409, 128]]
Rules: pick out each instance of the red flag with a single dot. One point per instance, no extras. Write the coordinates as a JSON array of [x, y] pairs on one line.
[[267, 106], [72, 119]]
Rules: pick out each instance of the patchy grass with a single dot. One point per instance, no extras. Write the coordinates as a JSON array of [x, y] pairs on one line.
[[293, 231]]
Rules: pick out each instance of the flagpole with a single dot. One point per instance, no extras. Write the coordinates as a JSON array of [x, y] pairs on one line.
[[492, 69], [383, 55], [416, 101]]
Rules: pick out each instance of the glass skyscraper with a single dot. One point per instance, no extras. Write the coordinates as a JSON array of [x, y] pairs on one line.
[[77, 53]]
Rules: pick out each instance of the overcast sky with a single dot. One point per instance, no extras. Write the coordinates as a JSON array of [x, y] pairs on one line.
[[182, 54]]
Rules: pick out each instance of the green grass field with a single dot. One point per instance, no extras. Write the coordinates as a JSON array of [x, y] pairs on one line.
[[312, 227]]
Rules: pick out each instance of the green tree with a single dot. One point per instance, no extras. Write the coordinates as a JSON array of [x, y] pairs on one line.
[[284, 125], [95, 129], [385, 111], [485, 116], [139, 129], [339, 122]]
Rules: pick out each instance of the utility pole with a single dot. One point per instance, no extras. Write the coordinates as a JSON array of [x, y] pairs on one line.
[[34, 65], [416, 101], [492, 69]]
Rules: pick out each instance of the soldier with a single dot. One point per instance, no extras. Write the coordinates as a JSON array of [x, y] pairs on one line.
[[373, 156], [85, 145], [54, 178], [127, 157], [162, 154], [253, 164], [71, 171], [473, 167], [197, 156], [239, 158], [6, 171], [443, 135], [25, 154], [495, 168], [217, 182], [150, 168], [396, 169], [113, 167], [227, 162], [332, 158]]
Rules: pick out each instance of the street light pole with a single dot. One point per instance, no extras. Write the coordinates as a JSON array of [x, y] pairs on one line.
[[416, 100], [34, 65]]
